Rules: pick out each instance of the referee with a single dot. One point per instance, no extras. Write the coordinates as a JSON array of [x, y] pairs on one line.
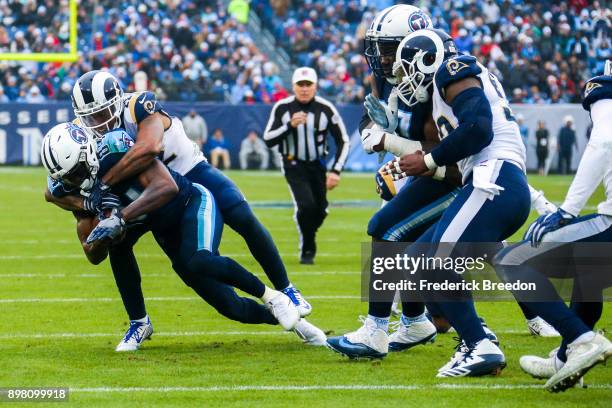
[[298, 125]]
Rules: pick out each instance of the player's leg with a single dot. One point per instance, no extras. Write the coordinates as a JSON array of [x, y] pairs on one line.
[[201, 229], [238, 215], [417, 206], [483, 216], [127, 278], [581, 346]]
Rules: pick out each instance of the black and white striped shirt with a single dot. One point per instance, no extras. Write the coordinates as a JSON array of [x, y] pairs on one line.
[[307, 142]]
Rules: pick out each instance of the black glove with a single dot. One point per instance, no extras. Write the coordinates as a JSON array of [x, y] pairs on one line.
[[93, 202]]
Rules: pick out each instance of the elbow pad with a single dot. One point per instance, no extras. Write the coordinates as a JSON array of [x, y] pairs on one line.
[[475, 130]]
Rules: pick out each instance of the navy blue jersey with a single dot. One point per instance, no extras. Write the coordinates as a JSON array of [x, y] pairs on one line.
[[455, 69], [411, 119], [597, 88], [111, 148]]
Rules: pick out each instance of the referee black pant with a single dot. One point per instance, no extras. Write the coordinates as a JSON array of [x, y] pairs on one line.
[[307, 182]]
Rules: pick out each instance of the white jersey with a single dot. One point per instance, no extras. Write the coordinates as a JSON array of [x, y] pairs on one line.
[[507, 143], [595, 164], [179, 152]]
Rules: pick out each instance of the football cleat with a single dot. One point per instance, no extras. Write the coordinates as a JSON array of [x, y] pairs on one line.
[[366, 342], [484, 358], [581, 358], [539, 367], [410, 335], [284, 311], [310, 333], [135, 335], [298, 300], [540, 327], [490, 335], [461, 347]]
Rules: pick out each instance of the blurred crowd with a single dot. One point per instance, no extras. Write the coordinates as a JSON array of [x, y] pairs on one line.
[[201, 49], [182, 49], [541, 50]]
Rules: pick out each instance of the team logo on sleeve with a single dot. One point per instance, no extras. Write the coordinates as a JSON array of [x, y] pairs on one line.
[[453, 66], [149, 107], [417, 21], [590, 87]]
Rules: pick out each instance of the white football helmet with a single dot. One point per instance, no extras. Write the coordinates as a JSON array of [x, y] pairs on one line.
[[388, 28], [69, 155], [97, 100]]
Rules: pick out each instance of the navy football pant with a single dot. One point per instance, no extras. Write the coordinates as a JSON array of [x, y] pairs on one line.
[[237, 214], [193, 249], [415, 208], [477, 216], [529, 264]]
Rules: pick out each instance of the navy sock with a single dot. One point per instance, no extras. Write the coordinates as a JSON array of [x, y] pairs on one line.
[[127, 277], [553, 310], [526, 311], [241, 219], [413, 309], [462, 316], [380, 309]]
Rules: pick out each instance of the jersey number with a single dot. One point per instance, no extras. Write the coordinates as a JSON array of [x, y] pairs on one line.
[[500, 92], [444, 125]]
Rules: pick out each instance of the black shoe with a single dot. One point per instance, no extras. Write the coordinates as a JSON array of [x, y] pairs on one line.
[[307, 258]]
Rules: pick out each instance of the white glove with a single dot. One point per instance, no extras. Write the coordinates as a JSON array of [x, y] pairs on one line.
[[384, 116], [541, 204], [371, 137]]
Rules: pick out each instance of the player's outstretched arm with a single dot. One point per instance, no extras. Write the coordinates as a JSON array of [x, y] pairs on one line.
[[68, 202], [95, 252], [148, 146], [159, 189]]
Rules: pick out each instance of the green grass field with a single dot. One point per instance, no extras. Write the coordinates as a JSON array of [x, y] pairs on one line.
[[60, 319]]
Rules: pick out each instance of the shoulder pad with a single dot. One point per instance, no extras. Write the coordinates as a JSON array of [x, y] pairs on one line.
[[142, 105], [455, 69], [596, 89], [115, 141]]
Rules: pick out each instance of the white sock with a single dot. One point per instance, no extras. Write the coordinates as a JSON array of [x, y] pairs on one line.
[[381, 322], [558, 363], [583, 338], [268, 294], [143, 320]]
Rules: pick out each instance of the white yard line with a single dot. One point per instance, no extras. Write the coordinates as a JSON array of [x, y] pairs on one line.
[[145, 275], [342, 387], [161, 255], [159, 299], [32, 336]]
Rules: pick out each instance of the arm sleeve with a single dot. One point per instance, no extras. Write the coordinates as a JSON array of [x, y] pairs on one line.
[[278, 126], [474, 132], [340, 135], [143, 105], [595, 160]]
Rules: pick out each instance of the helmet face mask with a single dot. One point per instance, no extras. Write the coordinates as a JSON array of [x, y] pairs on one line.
[[100, 109], [70, 156], [419, 56], [380, 55], [386, 32]]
